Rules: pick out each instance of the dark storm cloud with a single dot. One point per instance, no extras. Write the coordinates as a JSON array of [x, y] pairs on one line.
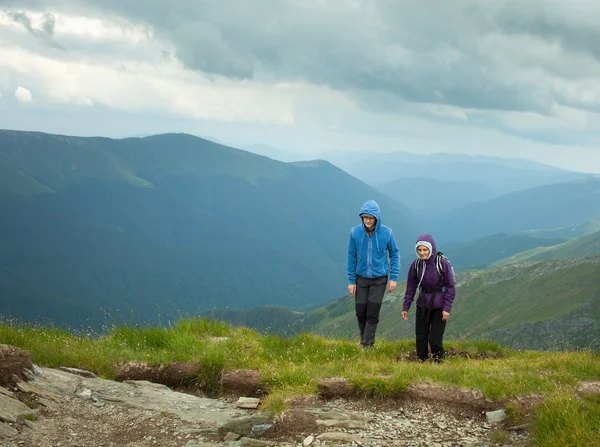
[[463, 53]]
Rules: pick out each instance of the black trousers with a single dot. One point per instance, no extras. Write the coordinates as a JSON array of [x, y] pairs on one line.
[[367, 304], [430, 329]]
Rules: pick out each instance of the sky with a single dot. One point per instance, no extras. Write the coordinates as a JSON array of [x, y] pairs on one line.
[[508, 78]]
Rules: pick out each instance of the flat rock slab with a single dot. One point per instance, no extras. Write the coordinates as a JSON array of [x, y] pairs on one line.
[[248, 402], [11, 408], [137, 394]]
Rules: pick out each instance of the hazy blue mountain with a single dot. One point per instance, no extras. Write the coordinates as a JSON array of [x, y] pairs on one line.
[[143, 229], [430, 198], [545, 207], [498, 175]]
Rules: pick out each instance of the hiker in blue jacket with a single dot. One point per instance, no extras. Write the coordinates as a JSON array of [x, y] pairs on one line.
[[432, 275], [369, 269]]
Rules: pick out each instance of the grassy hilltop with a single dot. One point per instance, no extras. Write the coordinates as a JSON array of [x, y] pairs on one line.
[[292, 367]]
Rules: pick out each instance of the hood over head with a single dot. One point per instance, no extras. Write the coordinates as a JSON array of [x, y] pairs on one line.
[[371, 208], [427, 241]]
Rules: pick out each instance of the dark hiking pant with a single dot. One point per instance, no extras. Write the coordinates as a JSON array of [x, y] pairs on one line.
[[430, 330], [367, 303]]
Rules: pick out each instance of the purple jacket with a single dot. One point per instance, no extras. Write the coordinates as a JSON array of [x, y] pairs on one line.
[[429, 280]]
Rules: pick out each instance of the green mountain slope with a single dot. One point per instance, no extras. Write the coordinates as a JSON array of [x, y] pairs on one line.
[[483, 252], [582, 246], [588, 226], [144, 229], [534, 305]]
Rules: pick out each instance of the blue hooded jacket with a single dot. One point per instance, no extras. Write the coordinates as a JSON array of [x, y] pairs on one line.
[[368, 255], [429, 281]]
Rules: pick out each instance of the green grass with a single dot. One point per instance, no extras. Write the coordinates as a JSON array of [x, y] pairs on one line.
[[292, 367], [565, 419]]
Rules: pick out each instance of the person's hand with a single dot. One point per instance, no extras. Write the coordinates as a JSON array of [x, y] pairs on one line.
[[352, 289], [404, 315], [392, 286], [445, 315]]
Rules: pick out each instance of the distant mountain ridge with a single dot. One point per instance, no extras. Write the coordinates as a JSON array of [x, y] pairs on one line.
[[499, 175], [144, 229], [541, 208], [431, 198]]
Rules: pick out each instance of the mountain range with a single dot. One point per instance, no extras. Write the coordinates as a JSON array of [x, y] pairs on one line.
[[141, 229], [97, 231]]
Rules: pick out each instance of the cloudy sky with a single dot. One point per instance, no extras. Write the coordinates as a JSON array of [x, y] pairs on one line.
[[513, 78]]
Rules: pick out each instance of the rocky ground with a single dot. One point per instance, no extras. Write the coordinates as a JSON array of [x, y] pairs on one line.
[[51, 407], [84, 421]]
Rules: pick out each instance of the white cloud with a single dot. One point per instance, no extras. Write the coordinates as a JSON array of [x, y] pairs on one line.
[[23, 95], [160, 86]]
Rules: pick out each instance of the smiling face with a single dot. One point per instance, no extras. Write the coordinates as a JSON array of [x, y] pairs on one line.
[[423, 252], [368, 221]]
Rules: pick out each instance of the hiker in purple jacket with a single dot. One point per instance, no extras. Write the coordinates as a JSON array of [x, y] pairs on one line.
[[435, 284]]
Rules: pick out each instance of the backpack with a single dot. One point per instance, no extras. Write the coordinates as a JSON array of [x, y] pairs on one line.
[[438, 265]]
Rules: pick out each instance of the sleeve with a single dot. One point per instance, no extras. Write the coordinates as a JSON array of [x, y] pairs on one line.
[[351, 263], [411, 287], [449, 283], [394, 252]]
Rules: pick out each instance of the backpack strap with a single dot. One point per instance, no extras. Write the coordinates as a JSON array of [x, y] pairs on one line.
[[438, 264]]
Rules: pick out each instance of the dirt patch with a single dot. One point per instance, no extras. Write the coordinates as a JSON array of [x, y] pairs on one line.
[[136, 371], [308, 401], [241, 382], [173, 375], [465, 401], [178, 374], [332, 387], [290, 424], [15, 366], [453, 353]]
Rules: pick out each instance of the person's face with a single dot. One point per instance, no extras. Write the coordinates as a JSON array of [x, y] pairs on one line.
[[423, 252], [369, 221]]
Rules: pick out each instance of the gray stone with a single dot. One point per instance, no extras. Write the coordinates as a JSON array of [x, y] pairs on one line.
[[7, 431], [6, 392], [590, 387], [495, 416], [248, 402], [308, 440], [78, 372], [251, 442], [11, 409], [243, 425], [336, 436], [231, 437]]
